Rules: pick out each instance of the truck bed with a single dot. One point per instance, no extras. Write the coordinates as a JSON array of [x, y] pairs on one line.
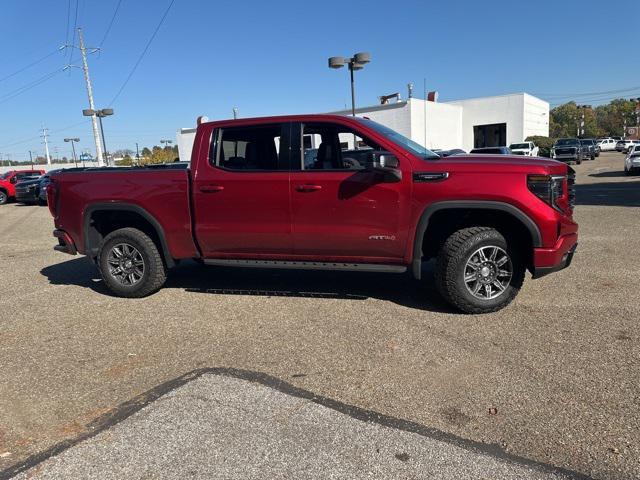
[[162, 192]]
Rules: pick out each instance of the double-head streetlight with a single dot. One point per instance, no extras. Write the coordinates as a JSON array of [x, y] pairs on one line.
[[357, 62], [73, 148], [105, 112], [167, 143]]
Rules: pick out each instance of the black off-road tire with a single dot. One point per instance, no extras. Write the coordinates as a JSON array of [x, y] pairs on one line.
[[4, 198], [155, 272], [450, 269]]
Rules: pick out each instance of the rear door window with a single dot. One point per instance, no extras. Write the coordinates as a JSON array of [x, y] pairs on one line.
[[251, 148]]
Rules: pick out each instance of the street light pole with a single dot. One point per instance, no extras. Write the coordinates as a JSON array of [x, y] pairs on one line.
[[105, 112], [357, 62], [73, 149]]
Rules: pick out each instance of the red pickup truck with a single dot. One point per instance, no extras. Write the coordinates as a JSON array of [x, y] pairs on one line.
[[323, 192], [8, 182]]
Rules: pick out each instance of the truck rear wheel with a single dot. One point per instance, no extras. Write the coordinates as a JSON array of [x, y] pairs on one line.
[[477, 271], [4, 198], [130, 263]]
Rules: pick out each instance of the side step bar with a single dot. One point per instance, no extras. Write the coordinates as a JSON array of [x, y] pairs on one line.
[[352, 267]]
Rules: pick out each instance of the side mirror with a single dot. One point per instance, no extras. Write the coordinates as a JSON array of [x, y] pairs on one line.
[[385, 163], [13, 179]]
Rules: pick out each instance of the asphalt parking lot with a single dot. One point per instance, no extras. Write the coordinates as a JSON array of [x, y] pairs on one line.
[[551, 381]]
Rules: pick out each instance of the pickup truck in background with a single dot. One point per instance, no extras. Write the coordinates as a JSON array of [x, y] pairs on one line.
[[368, 200], [8, 182], [529, 149], [569, 149]]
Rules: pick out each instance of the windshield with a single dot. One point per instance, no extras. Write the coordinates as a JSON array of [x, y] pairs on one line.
[[563, 142], [519, 145], [586, 142], [5, 175], [400, 139]]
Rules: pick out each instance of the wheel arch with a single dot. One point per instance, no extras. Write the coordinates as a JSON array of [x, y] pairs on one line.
[[525, 223], [100, 219]]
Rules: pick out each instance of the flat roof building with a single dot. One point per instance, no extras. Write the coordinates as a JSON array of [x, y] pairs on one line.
[[473, 123]]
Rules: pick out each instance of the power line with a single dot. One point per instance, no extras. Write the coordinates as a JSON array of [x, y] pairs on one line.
[[66, 38], [31, 64], [26, 140], [29, 86], [73, 39], [166, 12], [587, 94], [106, 33]]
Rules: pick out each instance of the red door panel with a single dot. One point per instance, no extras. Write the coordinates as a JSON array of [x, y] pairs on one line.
[[348, 215], [242, 214]]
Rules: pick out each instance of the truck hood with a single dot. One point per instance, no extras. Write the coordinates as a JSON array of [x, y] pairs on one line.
[[503, 163]]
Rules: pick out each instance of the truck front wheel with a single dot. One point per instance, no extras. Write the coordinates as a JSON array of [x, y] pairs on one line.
[[477, 271], [130, 263]]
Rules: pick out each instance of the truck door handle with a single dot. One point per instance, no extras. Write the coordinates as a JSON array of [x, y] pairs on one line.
[[211, 188], [308, 188]]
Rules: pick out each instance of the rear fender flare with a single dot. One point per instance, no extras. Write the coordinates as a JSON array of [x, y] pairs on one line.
[[91, 250]]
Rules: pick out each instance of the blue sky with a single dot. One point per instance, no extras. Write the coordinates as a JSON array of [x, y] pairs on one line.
[[270, 57]]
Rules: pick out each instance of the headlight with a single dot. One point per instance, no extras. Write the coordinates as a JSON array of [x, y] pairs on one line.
[[548, 188]]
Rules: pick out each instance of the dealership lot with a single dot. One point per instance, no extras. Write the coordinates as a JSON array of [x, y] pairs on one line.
[[553, 379]]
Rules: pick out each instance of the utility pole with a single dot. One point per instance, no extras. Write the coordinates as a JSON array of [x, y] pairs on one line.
[[45, 134], [137, 154], [94, 118], [31, 158]]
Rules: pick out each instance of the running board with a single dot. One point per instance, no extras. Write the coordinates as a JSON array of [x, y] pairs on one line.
[[352, 267]]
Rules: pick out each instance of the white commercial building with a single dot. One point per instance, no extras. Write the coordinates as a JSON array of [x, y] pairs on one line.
[[473, 123], [467, 124]]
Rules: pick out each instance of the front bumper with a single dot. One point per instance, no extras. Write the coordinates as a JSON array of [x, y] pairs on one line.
[[65, 242], [26, 197], [549, 260]]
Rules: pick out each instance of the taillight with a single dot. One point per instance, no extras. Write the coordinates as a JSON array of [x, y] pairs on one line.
[[553, 190], [52, 197]]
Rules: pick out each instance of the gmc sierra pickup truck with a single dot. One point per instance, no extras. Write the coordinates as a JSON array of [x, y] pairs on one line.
[[368, 199]]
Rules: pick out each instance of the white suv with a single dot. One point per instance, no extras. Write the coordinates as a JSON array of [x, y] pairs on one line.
[[529, 149], [632, 160], [607, 144]]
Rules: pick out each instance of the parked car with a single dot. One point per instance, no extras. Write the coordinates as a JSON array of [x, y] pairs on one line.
[[492, 150], [448, 153], [632, 161], [589, 147], [607, 144], [246, 203], [569, 149], [28, 190], [596, 146], [44, 183], [8, 181], [529, 149], [630, 144], [621, 145]]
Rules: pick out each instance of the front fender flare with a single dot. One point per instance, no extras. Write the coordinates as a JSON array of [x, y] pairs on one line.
[[428, 212]]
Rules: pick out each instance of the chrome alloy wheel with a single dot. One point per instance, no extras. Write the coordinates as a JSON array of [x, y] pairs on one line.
[[126, 264], [488, 272]]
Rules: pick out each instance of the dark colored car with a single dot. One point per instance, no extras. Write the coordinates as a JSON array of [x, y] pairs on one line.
[[493, 150], [28, 190], [621, 145], [596, 145], [569, 149], [45, 180], [589, 147], [247, 201], [448, 153]]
